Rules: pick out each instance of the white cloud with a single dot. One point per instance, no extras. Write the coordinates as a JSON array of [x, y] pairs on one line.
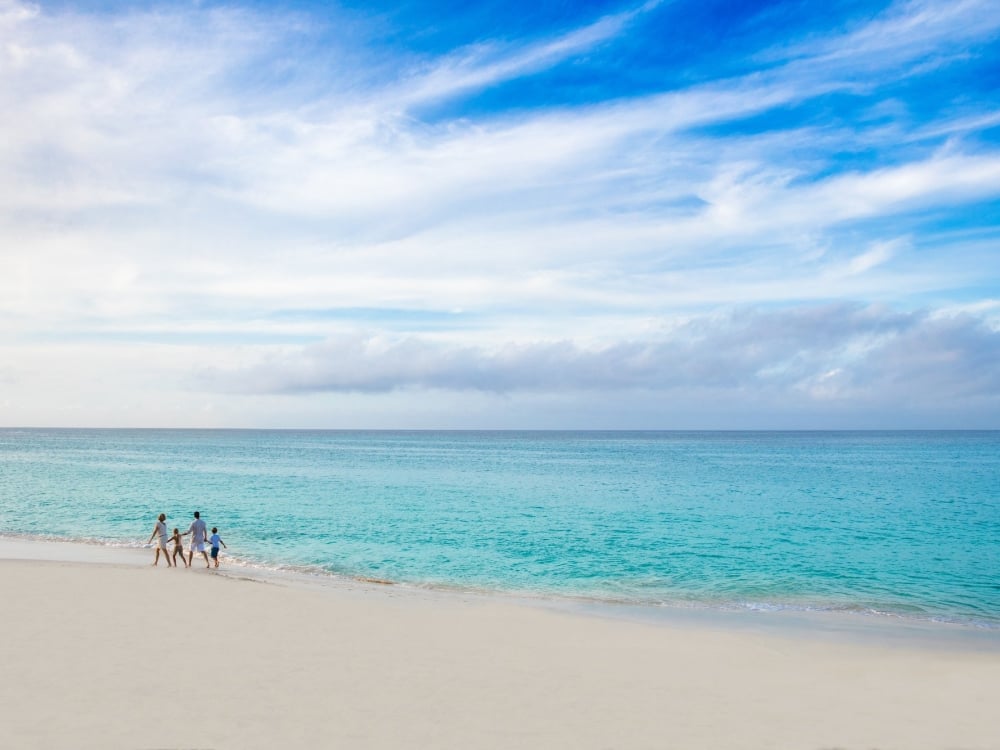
[[484, 65], [149, 192], [876, 255], [817, 366], [906, 30], [834, 351]]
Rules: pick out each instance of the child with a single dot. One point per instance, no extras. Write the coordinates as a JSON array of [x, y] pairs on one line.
[[215, 540], [178, 547]]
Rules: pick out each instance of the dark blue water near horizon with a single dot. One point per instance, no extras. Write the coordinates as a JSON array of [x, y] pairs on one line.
[[898, 523]]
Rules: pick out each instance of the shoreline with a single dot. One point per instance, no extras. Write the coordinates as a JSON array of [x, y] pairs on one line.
[[104, 650], [851, 625], [846, 623]]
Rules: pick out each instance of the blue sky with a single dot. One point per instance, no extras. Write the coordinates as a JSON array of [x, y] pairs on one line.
[[511, 215]]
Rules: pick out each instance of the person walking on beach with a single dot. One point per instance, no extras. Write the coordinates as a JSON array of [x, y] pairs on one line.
[[198, 534], [215, 540], [178, 548], [160, 530]]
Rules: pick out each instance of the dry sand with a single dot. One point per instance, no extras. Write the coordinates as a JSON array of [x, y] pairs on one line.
[[99, 649]]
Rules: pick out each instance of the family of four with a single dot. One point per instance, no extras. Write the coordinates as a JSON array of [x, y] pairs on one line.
[[199, 536]]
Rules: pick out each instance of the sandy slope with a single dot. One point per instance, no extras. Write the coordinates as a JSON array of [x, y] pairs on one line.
[[123, 655]]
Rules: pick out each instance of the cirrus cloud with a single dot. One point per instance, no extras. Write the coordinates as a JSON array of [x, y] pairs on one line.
[[254, 186]]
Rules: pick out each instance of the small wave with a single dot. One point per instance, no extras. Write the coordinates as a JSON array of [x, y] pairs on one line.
[[900, 612]]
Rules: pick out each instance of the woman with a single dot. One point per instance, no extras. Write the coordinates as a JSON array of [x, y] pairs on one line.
[[161, 530]]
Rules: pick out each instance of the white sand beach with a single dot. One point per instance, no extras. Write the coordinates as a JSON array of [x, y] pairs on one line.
[[101, 650]]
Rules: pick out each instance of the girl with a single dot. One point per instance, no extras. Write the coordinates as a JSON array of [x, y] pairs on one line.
[[178, 547]]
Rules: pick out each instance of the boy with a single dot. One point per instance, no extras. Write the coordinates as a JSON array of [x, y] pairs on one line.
[[215, 540]]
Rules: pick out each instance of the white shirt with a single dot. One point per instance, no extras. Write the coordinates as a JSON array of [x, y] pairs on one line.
[[197, 531]]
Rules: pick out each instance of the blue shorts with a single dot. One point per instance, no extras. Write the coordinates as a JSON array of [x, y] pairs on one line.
[[215, 552]]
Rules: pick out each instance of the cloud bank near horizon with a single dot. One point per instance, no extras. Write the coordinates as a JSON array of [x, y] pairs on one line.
[[834, 352], [313, 205]]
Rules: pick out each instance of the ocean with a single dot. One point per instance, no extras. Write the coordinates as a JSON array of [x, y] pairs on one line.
[[891, 524]]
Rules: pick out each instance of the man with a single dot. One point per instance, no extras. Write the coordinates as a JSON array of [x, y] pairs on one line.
[[198, 534]]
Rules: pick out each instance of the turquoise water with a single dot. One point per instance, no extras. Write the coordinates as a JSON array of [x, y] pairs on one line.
[[901, 523]]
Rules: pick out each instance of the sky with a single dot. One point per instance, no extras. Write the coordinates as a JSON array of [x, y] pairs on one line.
[[695, 214]]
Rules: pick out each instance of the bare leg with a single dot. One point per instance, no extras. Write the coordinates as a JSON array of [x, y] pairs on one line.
[[207, 563], [190, 557]]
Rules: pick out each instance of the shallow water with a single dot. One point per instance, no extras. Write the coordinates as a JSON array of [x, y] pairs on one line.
[[901, 523]]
